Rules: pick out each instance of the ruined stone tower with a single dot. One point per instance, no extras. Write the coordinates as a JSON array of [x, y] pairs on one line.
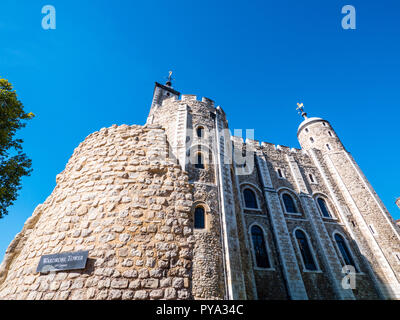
[[180, 209]]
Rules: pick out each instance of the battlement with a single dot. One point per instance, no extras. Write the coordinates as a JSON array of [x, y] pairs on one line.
[[265, 145], [190, 97]]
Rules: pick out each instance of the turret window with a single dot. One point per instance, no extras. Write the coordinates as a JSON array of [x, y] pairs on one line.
[[200, 161], [200, 132], [328, 147], [312, 140], [330, 133], [199, 218]]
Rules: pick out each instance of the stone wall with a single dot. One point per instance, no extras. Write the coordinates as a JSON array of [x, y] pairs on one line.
[[121, 199]]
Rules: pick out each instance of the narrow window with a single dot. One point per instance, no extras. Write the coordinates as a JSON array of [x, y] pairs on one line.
[[344, 251], [324, 208], [306, 130], [250, 199], [304, 247], [280, 174], [324, 124], [260, 250], [372, 229], [199, 218], [200, 132], [200, 161], [289, 203], [312, 140], [311, 178], [328, 147], [330, 133]]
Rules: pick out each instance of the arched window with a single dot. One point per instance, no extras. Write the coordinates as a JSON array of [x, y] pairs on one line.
[[324, 208], [200, 132], [200, 161], [199, 218], [289, 203], [344, 251], [304, 247], [250, 200], [260, 250]]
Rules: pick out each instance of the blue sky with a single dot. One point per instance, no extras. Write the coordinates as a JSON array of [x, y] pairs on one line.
[[256, 59]]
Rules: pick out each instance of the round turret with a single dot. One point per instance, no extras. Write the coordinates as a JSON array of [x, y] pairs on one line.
[[317, 133]]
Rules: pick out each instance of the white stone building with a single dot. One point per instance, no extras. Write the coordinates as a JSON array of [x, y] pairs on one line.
[[180, 209]]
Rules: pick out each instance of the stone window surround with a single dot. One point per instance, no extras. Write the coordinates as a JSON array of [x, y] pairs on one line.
[[257, 192], [296, 200], [355, 259], [277, 170], [311, 250], [205, 152], [205, 135], [313, 176], [255, 267], [328, 203], [207, 212]]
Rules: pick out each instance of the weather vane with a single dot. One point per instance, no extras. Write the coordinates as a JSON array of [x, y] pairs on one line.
[[169, 81], [300, 108]]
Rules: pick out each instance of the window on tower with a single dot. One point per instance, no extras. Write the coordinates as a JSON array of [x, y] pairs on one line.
[[199, 161], [344, 251], [200, 132], [305, 251], [250, 199], [288, 201], [324, 208], [260, 249], [199, 218]]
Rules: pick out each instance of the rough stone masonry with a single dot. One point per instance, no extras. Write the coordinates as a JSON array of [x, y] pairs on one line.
[[180, 209]]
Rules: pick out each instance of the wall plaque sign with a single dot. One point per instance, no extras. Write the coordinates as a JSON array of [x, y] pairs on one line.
[[63, 261]]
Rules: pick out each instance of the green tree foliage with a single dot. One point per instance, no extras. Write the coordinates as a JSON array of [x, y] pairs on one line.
[[14, 164]]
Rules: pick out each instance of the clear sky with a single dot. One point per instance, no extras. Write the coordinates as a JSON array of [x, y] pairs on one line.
[[256, 59]]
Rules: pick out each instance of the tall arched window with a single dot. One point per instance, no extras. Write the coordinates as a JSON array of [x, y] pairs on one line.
[[260, 250], [324, 208], [199, 161], [199, 218], [344, 251], [289, 203], [306, 254], [250, 199]]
